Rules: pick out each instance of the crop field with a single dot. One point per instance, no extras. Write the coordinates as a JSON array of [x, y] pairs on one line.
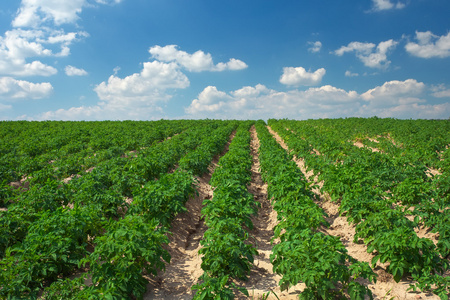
[[354, 208]]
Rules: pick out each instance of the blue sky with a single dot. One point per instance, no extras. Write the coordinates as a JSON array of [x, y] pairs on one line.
[[153, 59]]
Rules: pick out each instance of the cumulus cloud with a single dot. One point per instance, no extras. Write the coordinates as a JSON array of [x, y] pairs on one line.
[[429, 45], [144, 95], [104, 111], [35, 34], [442, 94], [395, 88], [147, 86], [139, 96], [416, 111], [314, 46], [394, 93], [73, 71], [87, 113], [440, 91], [33, 13], [108, 1], [210, 100], [398, 99], [18, 47], [299, 76], [350, 74], [260, 102], [250, 91], [379, 5], [12, 89], [369, 54], [195, 62]]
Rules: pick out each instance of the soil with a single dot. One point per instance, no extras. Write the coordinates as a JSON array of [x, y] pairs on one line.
[[262, 280], [361, 145], [386, 287], [187, 230]]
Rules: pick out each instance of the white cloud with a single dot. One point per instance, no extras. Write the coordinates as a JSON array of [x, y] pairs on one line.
[[143, 95], [210, 100], [358, 47], [108, 1], [18, 46], [36, 13], [72, 71], [249, 91], [442, 94], [76, 113], [34, 35], [261, 102], [103, 111], [12, 89], [394, 93], [233, 65], [394, 88], [196, 62], [140, 96], [299, 76], [315, 46], [371, 56], [350, 74], [398, 99], [147, 86], [33, 13], [417, 111], [379, 5], [429, 45], [440, 91]]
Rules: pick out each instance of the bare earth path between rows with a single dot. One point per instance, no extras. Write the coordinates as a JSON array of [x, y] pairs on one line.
[[188, 229], [262, 280], [386, 287]]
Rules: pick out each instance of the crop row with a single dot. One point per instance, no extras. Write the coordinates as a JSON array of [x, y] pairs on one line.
[[227, 253], [65, 148], [375, 191], [104, 187], [305, 254], [54, 241]]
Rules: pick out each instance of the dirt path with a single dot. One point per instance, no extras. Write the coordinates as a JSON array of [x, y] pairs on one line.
[[187, 231], [386, 287], [359, 144], [262, 280]]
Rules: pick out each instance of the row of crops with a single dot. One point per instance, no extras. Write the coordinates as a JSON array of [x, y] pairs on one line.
[[93, 202], [386, 194], [53, 229]]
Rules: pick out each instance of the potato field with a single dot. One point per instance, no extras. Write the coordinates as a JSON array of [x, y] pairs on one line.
[[355, 208]]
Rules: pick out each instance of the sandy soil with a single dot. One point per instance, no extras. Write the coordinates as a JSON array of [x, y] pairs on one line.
[[187, 231], [386, 287], [262, 280], [185, 266], [361, 145], [21, 184], [432, 172]]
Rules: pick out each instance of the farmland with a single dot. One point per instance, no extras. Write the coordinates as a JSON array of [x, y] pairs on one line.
[[210, 209]]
